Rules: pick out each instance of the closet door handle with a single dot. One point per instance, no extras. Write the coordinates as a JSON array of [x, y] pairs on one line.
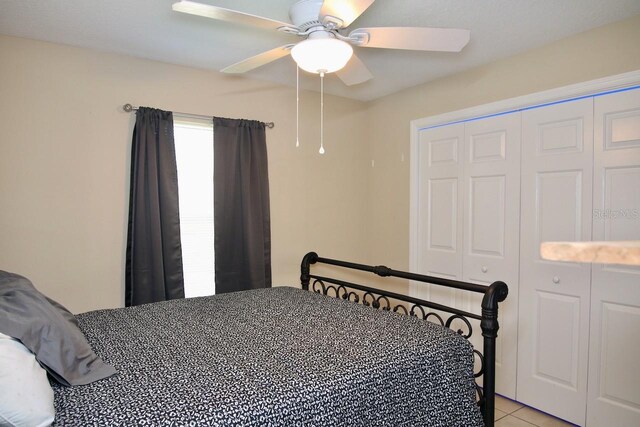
[[556, 279], [484, 269]]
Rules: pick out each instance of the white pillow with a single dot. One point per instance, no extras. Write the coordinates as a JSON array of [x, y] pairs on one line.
[[26, 398]]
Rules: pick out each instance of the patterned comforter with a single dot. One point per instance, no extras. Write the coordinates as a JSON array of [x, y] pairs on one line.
[[271, 357]]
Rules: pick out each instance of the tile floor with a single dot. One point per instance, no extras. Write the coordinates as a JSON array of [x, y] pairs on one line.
[[514, 414]]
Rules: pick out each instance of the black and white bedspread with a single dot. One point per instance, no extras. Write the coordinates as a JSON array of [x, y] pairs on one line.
[[271, 357]]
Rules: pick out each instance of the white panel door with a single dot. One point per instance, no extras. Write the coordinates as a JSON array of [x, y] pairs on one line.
[[492, 229], [614, 351], [440, 209], [556, 203]]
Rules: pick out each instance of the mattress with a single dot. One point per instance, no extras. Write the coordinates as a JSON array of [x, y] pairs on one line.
[[271, 357]]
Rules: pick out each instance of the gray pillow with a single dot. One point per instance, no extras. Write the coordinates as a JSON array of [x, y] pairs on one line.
[[50, 331]]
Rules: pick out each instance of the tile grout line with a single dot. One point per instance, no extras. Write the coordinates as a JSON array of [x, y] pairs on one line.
[[517, 406], [547, 416]]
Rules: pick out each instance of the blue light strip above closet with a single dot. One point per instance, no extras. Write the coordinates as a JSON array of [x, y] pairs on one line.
[[532, 107]]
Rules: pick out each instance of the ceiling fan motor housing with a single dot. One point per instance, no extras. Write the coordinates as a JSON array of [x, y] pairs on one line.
[[305, 12]]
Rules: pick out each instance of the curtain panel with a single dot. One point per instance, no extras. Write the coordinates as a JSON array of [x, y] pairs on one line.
[[241, 206], [154, 253]]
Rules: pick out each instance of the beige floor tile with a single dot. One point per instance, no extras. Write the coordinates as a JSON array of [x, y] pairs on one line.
[[511, 421], [507, 405], [539, 418], [499, 414]]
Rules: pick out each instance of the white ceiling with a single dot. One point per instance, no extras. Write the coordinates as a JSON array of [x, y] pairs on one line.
[[150, 29]]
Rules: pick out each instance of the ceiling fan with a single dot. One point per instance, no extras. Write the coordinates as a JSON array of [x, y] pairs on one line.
[[327, 44]]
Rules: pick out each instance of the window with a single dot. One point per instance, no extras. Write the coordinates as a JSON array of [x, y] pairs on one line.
[[194, 156]]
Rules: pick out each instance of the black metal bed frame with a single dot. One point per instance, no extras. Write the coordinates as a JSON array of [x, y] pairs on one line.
[[377, 298]]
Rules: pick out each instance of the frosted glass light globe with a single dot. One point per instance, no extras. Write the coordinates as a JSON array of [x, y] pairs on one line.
[[322, 55]]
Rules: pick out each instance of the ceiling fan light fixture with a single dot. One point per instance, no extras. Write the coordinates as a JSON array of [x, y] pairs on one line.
[[322, 55]]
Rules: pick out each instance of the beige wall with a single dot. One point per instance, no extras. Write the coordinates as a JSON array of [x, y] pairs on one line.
[[65, 143], [65, 152], [602, 52]]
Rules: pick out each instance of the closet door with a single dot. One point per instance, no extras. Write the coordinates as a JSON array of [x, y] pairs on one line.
[[614, 371], [440, 209], [553, 328], [492, 229]]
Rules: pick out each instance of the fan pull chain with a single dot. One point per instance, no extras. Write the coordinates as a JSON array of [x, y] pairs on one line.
[[321, 151], [297, 106]]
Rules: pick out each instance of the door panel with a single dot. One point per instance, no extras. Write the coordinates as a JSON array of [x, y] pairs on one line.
[[442, 214], [557, 319], [486, 224], [556, 202], [558, 206], [618, 380], [560, 136], [614, 350]]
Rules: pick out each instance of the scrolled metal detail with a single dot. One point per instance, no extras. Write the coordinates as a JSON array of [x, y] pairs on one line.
[[460, 331], [370, 300], [426, 315], [400, 307], [316, 290], [412, 312], [437, 316], [345, 292], [366, 297], [480, 394], [350, 295], [481, 359], [386, 307]]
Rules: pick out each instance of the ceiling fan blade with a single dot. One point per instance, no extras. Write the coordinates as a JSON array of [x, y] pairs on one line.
[[412, 38], [228, 15], [355, 72], [258, 60], [346, 11]]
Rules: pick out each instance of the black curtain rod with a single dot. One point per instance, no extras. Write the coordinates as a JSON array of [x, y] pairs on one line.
[[129, 108]]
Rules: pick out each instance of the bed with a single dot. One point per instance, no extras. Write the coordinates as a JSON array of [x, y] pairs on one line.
[[288, 357]]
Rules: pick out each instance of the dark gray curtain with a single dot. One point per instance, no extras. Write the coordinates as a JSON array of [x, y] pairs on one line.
[[154, 252], [241, 205]]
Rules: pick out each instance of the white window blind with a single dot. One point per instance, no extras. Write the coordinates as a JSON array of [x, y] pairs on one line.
[[194, 156]]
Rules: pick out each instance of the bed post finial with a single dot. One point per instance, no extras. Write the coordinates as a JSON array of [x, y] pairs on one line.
[[308, 259], [496, 293]]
